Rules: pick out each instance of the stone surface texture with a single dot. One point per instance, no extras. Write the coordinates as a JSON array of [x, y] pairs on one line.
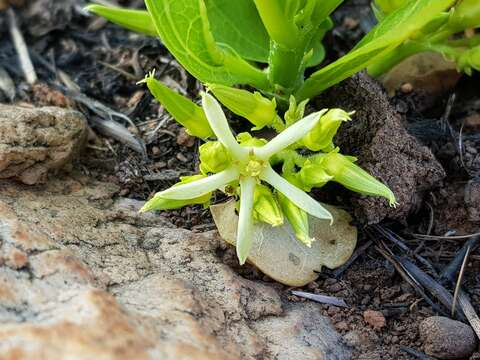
[[35, 141], [445, 338], [378, 137], [84, 276]]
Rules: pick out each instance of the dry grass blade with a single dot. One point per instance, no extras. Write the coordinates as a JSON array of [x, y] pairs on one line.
[[21, 48], [118, 132], [397, 240], [459, 280], [409, 278], [454, 237], [448, 273], [469, 311], [434, 287], [6, 84], [322, 299]]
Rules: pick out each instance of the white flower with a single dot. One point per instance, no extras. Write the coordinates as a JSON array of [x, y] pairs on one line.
[[249, 166]]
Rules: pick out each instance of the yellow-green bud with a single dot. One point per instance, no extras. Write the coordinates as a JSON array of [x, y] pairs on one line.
[[313, 176], [297, 218], [469, 60], [321, 136], [295, 111], [214, 157], [266, 207], [159, 203], [247, 140], [353, 177], [183, 110], [257, 109]]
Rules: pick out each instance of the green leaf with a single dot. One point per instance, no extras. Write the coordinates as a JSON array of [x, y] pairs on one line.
[[136, 20], [184, 28], [386, 36], [234, 23], [317, 46], [185, 111], [237, 24]]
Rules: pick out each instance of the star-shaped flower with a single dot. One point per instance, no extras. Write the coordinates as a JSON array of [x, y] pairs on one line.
[[249, 166]]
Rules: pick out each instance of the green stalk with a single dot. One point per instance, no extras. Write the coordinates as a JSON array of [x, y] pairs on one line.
[[387, 62], [286, 67], [279, 27]]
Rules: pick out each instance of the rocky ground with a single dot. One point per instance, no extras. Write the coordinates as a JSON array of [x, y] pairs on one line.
[[83, 274]]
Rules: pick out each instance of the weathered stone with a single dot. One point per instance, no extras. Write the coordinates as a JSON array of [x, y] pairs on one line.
[[83, 278], [378, 137], [34, 141], [445, 338], [277, 252]]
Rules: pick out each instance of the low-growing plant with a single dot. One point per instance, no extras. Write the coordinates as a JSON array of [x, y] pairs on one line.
[[268, 44], [243, 166]]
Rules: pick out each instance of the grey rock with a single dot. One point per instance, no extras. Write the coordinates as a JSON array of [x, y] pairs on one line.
[[84, 284], [35, 141], [445, 338]]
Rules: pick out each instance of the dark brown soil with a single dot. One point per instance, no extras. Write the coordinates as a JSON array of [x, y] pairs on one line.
[[106, 61]]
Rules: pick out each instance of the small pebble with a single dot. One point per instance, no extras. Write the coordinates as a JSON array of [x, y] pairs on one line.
[[406, 88], [350, 23], [182, 157], [184, 139], [445, 338], [374, 319]]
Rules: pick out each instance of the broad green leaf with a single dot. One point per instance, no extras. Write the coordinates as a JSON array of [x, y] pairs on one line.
[[184, 28], [183, 110], [386, 36], [234, 23], [237, 24], [136, 20]]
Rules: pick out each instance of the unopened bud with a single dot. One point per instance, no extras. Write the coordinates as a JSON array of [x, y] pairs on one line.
[[257, 109], [214, 157], [353, 177], [159, 203], [266, 207], [321, 136]]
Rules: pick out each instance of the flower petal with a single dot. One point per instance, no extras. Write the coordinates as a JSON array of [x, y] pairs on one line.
[[200, 187], [245, 218], [295, 195], [290, 136], [219, 124]]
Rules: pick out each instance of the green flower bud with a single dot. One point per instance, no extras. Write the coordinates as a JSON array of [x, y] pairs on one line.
[[295, 111], [297, 218], [265, 206], [214, 157], [184, 111], [257, 109], [321, 136], [353, 177], [313, 176], [247, 140], [159, 203], [469, 60]]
